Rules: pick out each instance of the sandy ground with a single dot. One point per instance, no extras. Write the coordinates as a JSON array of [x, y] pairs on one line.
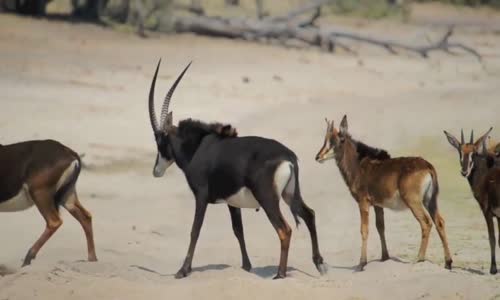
[[87, 87]]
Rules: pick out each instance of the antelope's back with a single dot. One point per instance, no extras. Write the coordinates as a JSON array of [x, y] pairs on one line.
[[259, 149], [18, 161]]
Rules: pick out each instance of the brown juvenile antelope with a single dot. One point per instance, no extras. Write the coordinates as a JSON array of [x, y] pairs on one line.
[[375, 179], [477, 165], [43, 173]]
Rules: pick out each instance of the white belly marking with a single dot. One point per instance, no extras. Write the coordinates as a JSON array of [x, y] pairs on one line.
[[242, 199], [19, 202], [395, 202]]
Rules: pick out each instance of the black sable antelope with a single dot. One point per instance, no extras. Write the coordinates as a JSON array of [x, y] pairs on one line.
[[243, 172], [43, 173], [375, 179], [477, 165]]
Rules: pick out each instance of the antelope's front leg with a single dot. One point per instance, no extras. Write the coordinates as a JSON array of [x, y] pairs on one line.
[[364, 207], [199, 216]]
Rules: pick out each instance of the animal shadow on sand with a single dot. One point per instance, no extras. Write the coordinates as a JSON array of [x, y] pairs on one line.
[[354, 268], [209, 267], [271, 271], [4, 270], [470, 270], [263, 272]]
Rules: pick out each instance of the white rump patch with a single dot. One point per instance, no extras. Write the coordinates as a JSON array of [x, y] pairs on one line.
[[496, 211], [66, 175], [395, 202], [284, 180], [19, 202], [282, 175]]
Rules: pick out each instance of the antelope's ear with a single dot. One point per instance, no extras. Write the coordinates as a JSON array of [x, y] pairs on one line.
[[452, 140], [226, 130], [343, 129], [480, 144]]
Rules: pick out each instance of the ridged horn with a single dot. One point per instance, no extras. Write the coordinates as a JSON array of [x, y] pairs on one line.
[[152, 113], [166, 102]]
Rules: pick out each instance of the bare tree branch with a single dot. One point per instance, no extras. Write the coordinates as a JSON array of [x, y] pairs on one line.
[[283, 29], [312, 6]]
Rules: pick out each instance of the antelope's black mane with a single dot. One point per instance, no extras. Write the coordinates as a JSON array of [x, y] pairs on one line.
[[195, 129], [371, 152]]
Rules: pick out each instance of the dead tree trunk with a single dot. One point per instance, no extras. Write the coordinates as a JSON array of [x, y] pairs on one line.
[[294, 27]]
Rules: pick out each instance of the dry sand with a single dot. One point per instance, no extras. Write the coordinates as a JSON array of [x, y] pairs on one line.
[[87, 86]]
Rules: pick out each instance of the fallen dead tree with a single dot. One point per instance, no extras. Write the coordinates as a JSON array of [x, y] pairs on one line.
[[294, 27]]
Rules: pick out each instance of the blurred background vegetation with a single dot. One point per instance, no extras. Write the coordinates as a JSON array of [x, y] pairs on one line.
[[158, 14]]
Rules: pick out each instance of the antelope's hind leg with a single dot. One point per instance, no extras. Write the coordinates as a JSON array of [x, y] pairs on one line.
[[75, 208], [417, 208], [44, 200], [269, 201], [439, 222], [308, 215], [379, 221], [238, 232]]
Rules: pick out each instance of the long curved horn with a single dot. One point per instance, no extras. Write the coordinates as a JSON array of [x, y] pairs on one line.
[[166, 102], [152, 113], [462, 140], [471, 137]]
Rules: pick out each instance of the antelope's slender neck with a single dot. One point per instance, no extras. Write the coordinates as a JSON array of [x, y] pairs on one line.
[[348, 162], [182, 158], [477, 175]]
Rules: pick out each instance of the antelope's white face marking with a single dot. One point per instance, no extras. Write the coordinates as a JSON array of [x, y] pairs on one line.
[[467, 164], [19, 202], [161, 165]]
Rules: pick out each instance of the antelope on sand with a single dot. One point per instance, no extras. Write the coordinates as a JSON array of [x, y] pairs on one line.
[[242, 172], [478, 166], [43, 173], [375, 179]]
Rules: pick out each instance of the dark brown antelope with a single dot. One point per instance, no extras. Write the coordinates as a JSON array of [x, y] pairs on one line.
[[43, 173], [242, 172], [375, 179], [478, 166]]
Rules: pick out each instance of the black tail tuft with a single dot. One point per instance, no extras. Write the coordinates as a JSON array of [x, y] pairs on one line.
[[66, 187], [296, 203], [430, 201]]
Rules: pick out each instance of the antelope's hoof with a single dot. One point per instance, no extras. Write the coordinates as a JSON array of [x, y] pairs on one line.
[[279, 276], [447, 264], [247, 267], [385, 257], [92, 259], [360, 267], [322, 269], [493, 270], [26, 263], [28, 258], [182, 273]]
